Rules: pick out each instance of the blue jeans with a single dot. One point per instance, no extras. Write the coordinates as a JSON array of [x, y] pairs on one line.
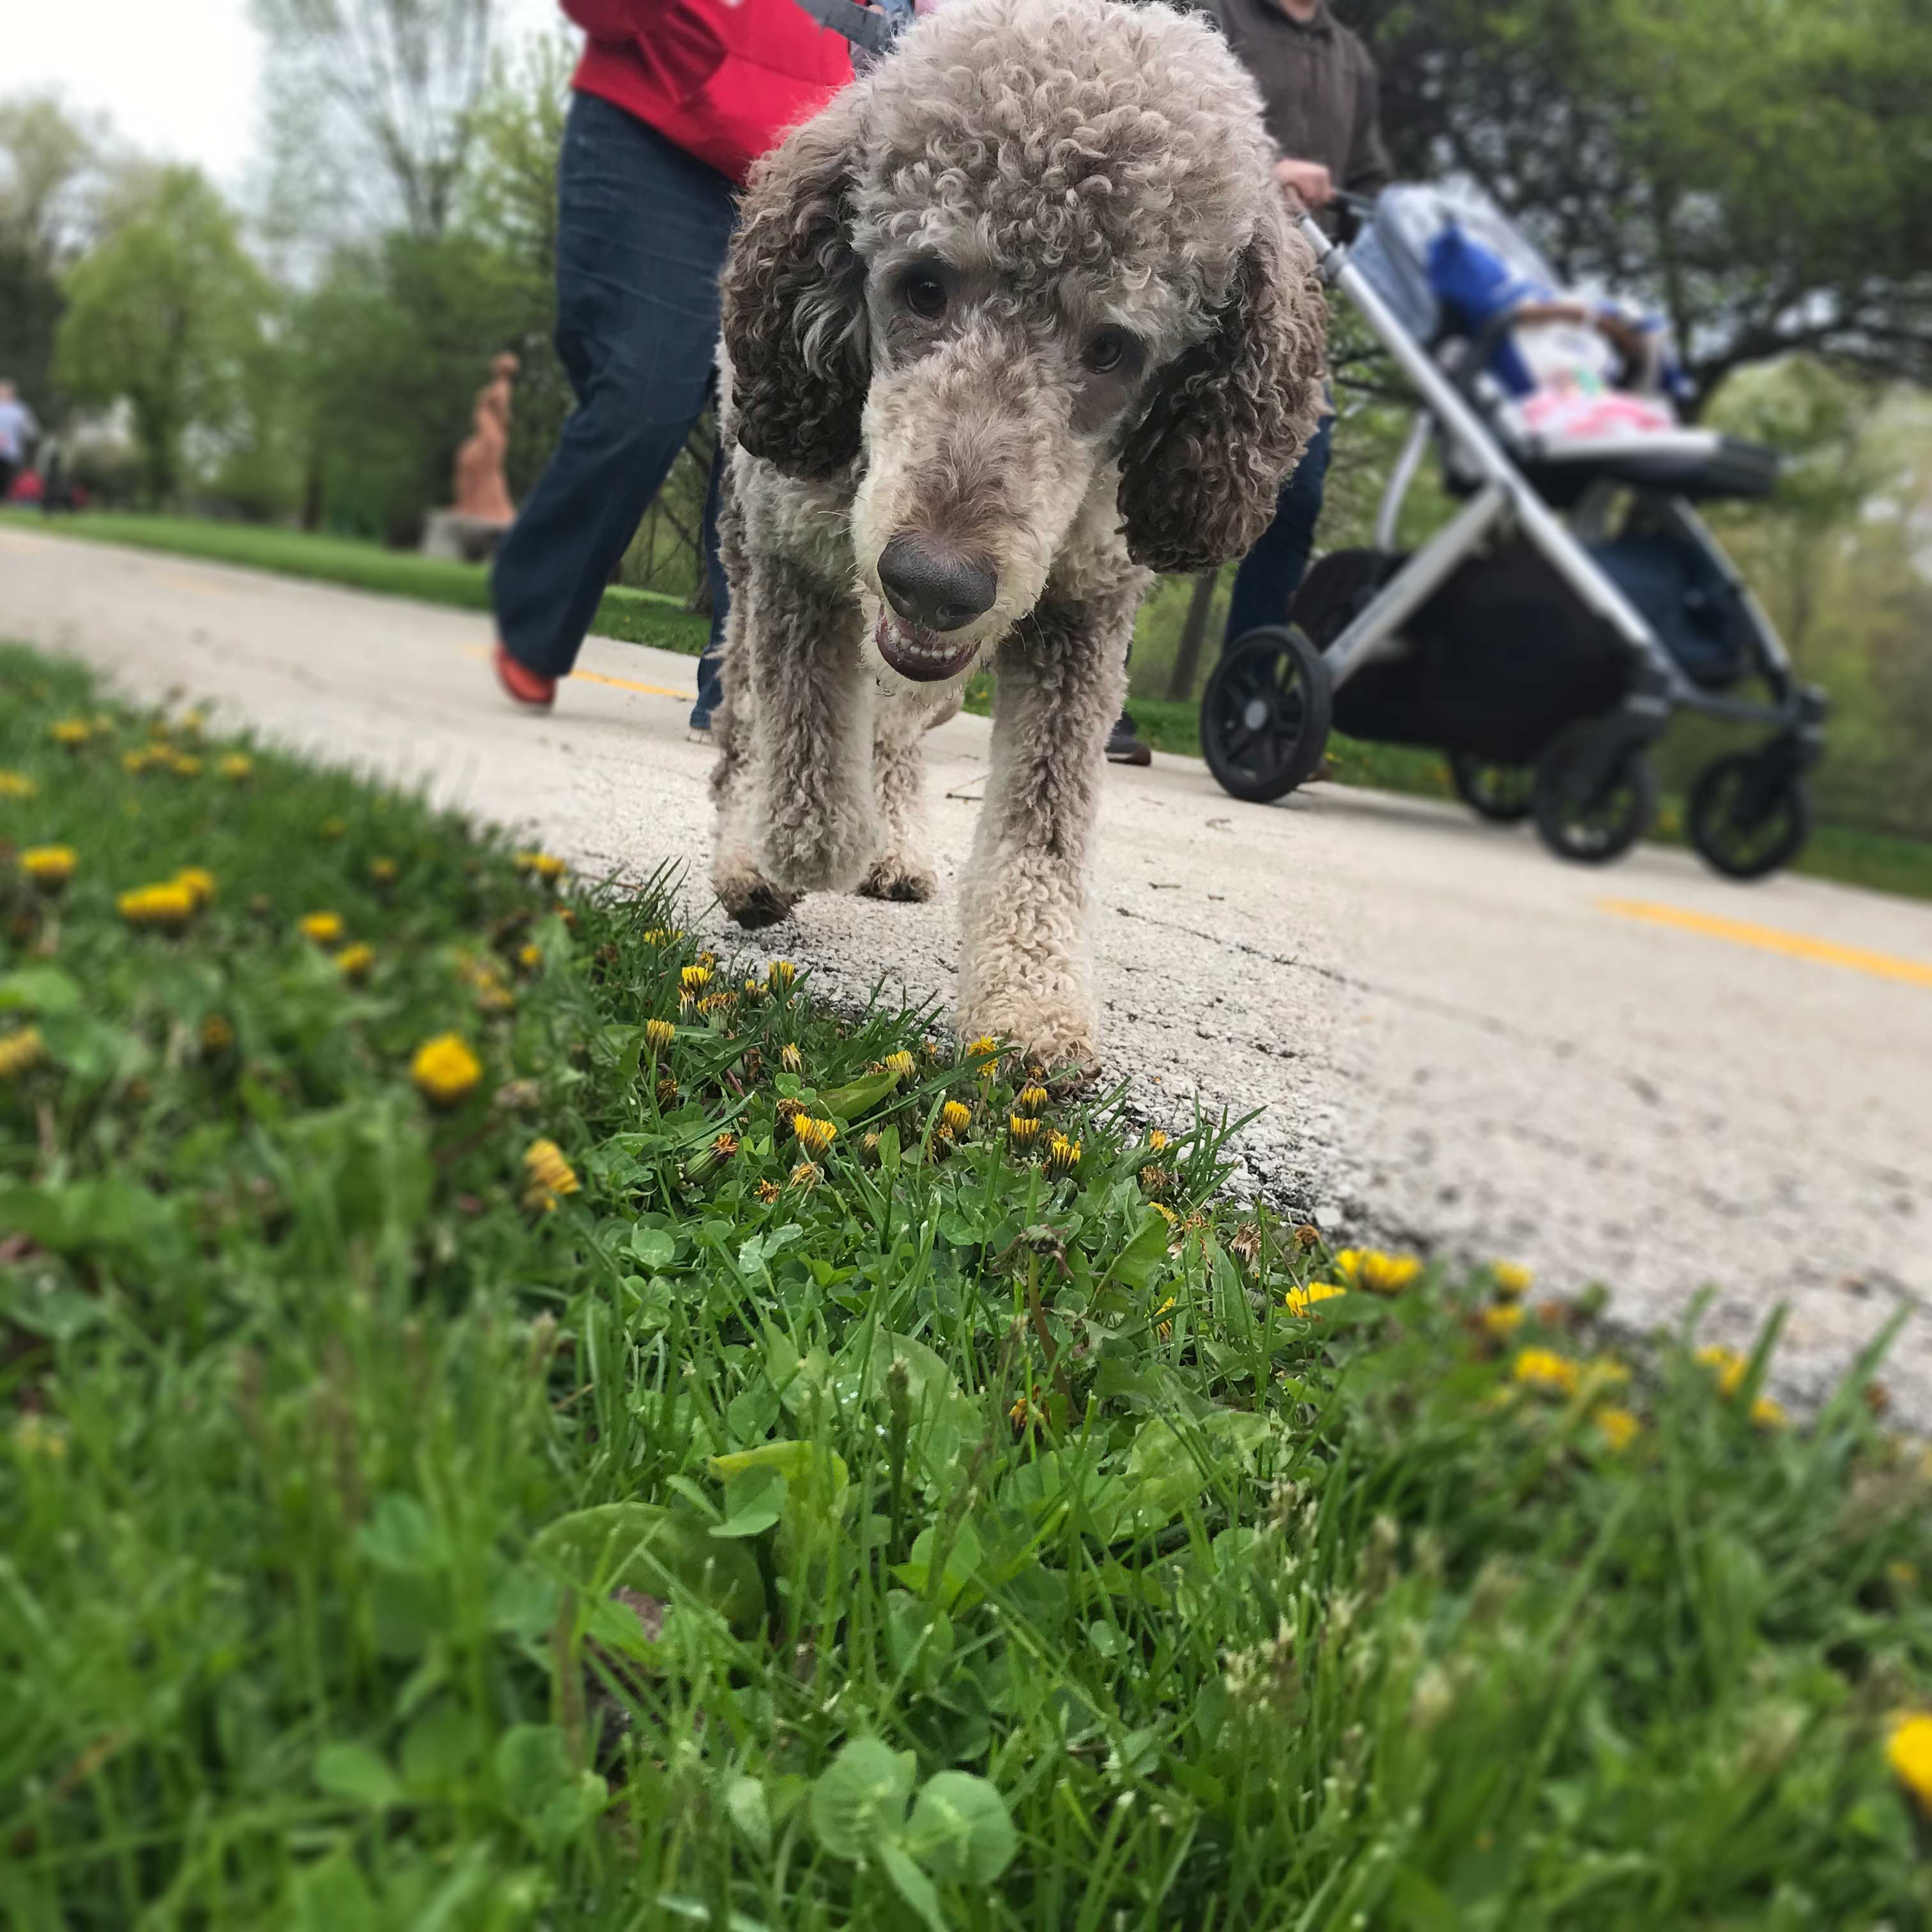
[[641, 233], [1271, 573]]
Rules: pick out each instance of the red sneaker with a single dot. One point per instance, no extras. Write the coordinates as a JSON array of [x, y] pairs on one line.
[[521, 686]]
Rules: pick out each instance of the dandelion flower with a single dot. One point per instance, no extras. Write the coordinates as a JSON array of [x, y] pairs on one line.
[[984, 1048], [1301, 1301], [544, 865], [332, 829], [354, 962], [814, 1135], [780, 975], [1730, 1367], [1022, 1129], [185, 765], [767, 1191], [1512, 1278], [530, 956], [72, 733], [902, 1063], [49, 866], [198, 882], [790, 1059], [1063, 1156], [384, 871], [1768, 1414], [167, 907], [1030, 1100], [237, 767], [492, 995], [17, 784], [218, 1036], [658, 935], [806, 1175], [35, 1436], [955, 1117], [445, 1070], [136, 762], [1379, 1273], [1545, 1370], [695, 979], [544, 1163], [20, 1050], [1909, 1751], [1164, 1329], [1503, 1321], [1621, 1428], [1155, 1179], [1156, 1141], [659, 1035], [325, 928]]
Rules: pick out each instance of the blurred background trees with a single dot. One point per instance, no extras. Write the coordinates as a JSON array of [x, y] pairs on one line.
[[1758, 170]]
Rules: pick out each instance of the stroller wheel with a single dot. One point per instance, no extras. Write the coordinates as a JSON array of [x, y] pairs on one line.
[[1504, 794], [1593, 799], [1750, 813], [1265, 714]]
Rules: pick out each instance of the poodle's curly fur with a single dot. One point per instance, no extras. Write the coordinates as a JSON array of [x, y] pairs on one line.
[[1121, 364]]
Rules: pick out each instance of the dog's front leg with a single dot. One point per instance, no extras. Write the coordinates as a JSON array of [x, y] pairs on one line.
[[815, 826], [902, 870], [1025, 972]]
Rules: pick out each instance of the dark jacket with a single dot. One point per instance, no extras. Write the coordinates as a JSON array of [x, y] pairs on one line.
[[1318, 88]]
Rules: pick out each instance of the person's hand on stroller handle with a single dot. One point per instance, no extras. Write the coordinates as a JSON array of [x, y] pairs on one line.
[[1308, 183]]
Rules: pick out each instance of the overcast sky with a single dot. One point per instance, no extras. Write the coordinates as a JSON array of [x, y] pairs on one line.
[[179, 78]]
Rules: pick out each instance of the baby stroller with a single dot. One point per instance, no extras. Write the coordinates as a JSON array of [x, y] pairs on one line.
[[1540, 639]]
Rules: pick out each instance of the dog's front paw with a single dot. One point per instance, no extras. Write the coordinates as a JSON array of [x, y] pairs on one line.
[[902, 877], [1056, 1034], [816, 854], [748, 896]]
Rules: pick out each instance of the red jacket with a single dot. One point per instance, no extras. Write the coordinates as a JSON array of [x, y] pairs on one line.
[[724, 78]]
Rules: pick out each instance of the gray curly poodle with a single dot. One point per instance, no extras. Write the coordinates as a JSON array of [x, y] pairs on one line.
[[1016, 322]]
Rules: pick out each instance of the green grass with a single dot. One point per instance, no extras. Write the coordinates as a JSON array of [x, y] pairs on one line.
[[1003, 1550], [633, 616]]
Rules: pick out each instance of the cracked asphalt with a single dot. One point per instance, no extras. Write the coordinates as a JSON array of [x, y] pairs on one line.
[[1645, 1077]]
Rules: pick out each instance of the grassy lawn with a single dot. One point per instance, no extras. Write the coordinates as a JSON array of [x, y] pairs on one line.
[[676, 1453]]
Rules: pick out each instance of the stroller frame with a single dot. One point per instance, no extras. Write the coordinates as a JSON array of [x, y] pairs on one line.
[[1504, 498]]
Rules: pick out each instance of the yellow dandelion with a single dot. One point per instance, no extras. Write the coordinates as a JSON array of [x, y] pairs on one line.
[[1031, 1099], [49, 866], [1381, 1274], [1026, 1410], [1063, 1156], [814, 1135], [544, 865], [355, 962], [544, 1163], [325, 928], [780, 976], [767, 1191], [198, 882], [695, 979], [1621, 1428], [1546, 1371], [191, 722], [902, 1063], [659, 1035], [20, 1052], [332, 829], [17, 784], [725, 1145], [136, 762], [73, 733], [35, 1436], [1301, 1301], [806, 1175], [1905, 1575], [218, 1036], [1730, 1367], [984, 1048], [955, 1117], [1505, 1321], [658, 935], [169, 908], [1164, 1329], [1156, 1141], [530, 956], [1768, 1414], [184, 764], [1511, 1278], [237, 767], [492, 995], [1909, 1751], [790, 1059], [445, 1070], [384, 871], [1022, 1129], [1173, 1220]]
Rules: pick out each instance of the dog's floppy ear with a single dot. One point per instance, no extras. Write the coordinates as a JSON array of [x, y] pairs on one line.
[[1201, 469], [794, 300]]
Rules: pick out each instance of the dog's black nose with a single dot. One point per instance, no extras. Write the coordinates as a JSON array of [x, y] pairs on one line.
[[930, 584]]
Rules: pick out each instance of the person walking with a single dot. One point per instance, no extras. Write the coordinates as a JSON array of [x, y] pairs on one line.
[[1320, 98], [17, 430], [672, 101]]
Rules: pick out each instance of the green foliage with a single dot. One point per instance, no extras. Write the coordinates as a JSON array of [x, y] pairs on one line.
[[920, 1539], [167, 313]]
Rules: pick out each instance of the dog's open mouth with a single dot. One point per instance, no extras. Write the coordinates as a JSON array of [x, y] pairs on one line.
[[925, 656]]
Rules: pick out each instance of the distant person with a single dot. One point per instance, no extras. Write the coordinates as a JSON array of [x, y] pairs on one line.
[[1321, 99], [673, 101], [17, 430]]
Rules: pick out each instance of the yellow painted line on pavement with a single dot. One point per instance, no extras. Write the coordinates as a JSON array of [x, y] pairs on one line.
[[616, 683], [1773, 939], [180, 580]]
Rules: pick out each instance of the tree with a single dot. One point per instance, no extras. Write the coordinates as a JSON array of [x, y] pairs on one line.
[[166, 313], [371, 102], [1758, 168]]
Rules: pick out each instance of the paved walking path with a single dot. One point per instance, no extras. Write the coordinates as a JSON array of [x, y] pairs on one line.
[[1645, 1076]]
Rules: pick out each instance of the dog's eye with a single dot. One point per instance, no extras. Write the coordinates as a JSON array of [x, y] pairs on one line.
[[924, 293], [1106, 349]]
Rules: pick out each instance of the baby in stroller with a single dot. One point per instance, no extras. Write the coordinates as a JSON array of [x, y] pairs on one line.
[[1545, 635]]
